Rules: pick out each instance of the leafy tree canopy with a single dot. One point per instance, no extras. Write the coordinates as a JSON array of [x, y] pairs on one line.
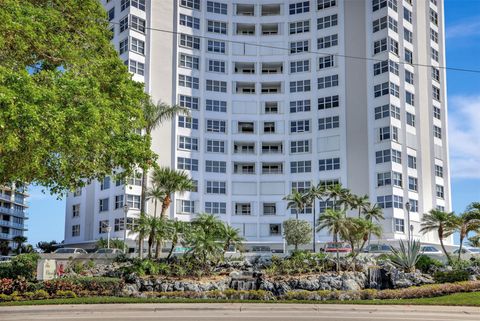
[[68, 106], [297, 232]]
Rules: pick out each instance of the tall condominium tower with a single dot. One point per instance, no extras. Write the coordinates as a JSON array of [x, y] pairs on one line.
[[283, 95], [13, 214]]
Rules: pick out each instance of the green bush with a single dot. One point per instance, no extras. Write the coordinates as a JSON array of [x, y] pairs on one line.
[[24, 266], [78, 285], [299, 262], [427, 264], [6, 270], [460, 264], [451, 276], [41, 295], [65, 294]]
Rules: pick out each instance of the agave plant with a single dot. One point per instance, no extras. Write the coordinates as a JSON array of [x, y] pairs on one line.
[[406, 257]]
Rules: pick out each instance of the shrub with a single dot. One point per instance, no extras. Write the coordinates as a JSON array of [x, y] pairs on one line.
[[41, 295], [460, 264], [5, 297], [25, 266], [100, 285], [427, 264], [8, 286], [451, 276], [65, 294], [6, 270]]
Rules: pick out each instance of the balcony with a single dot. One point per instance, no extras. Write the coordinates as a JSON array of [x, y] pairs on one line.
[[243, 209], [271, 10], [244, 168], [270, 29], [272, 148], [244, 68], [6, 197], [11, 224], [271, 88], [245, 29], [245, 88], [272, 68], [246, 127], [269, 127], [5, 236], [245, 10], [244, 148], [272, 168], [271, 107]]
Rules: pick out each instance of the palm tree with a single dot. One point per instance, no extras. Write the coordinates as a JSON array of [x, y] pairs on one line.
[[359, 202], [441, 222], [231, 237], [373, 212], [209, 223], [338, 194], [142, 228], [19, 240], [170, 181], [474, 240], [4, 248], [156, 193], [153, 116], [153, 226], [467, 222], [162, 232], [175, 230], [336, 223], [296, 200]]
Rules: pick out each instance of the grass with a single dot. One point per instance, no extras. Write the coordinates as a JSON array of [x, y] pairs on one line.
[[457, 299]]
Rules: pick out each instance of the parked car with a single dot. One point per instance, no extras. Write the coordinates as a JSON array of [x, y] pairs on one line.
[[430, 249], [70, 250], [108, 251], [333, 247], [378, 248], [469, 252]]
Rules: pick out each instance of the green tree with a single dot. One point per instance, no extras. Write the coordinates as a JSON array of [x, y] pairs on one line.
[[468, 222], [154, 115], [359, 203], [373, 213], [170, 181], [4, 248], [176, 230], [338, 195], [358, 232], [297, 201], [47, 247], [337, 224], [443, 223], [19, 240], [68, 105], [297, 232], [230, 237], [114, 244], [474, 240], [142, 229]]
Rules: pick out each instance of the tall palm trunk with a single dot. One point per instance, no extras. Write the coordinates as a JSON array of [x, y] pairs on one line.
[[165, 205], [440, 236], [335, 240], [150, 245], [463, 234], [140, 245], [158, 248], [143, 199], [172, 247]]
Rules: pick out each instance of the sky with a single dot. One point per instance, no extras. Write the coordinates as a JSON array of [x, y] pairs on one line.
[[47, 212]]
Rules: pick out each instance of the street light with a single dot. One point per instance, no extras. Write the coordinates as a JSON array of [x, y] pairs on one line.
[[125, 212], [410, 228], [109, 229]]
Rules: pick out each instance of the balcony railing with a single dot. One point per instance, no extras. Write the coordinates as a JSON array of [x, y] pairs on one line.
[[5, 236], [5, 197], [11, 224]]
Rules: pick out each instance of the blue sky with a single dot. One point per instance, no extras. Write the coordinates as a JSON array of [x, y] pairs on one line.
[[463, 51]]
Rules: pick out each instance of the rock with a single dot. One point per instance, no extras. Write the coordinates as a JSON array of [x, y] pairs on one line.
[[350, 285], [266, 286], [235, 274], [472, 278], [309, 284]]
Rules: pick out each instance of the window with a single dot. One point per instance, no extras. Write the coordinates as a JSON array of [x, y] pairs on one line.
[[413, 206], [379, 4], [77, 192], [299, 27], [409, 77], [111, 14], [433, 35], [188, 164], [299, 106], [120, 226], [269, 127], [75, 230], [123, 46], [390, 201], [328, 102], [299, 7], [216, 187], [413, 183], [138, 46], [327, 81], [328, 122], [186, 207], [407, 15], [135, 179], [216, 105], [215, 146], [440, 191], [387, 111], [192, 4], [327, 22], [300, 167], [299, 66], [103, 205], [387, 155], [299, 46], [216, 66], [325, 4], [379, 24], [217, 27], [410, 119], [215, 166], [385, 66], [188, 102], [434, 54], [436, 93], [275, 229], [139, 4], [399, 225], [434, 17], [216, 7], [300, 146], [393, 46], [133, 201], [271, 107], [412, 162], [397, 179], [299, 86], [138, 24], [385, 89], [188, 143], [188, 41], [410, 98], [301, 187], [118, 201], [189, 21], [123, 24], [105, 183], [436, 112], [438, 171], [136, 67], [329, 164], [327, 41], [408, 56], [187, 122], [436, 74], [269, 209], [216, 46], [384, 179], [190, 62], [216, 126], [408, 35], [216, 207], [299, 126], [188, 81], [326, 62], [387, 133], [103, 226], [76, 210], [124, 4], [216, 85], [437, 132], [380, 46]]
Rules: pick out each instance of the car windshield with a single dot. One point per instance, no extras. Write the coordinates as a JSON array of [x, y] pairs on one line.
[[475, 250], [429, 249]]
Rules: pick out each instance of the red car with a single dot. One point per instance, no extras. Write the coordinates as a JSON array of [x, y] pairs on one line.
[[333, 247]]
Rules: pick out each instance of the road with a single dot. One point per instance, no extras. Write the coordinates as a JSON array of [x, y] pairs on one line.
[[233, 312]]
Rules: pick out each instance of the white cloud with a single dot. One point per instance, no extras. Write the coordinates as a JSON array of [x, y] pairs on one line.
[[464, 136], [464, 29]]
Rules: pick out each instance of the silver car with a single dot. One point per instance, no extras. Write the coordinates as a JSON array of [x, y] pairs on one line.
[[70, 250], [469, 252]]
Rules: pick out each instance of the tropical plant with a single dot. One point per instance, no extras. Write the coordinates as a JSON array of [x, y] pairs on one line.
[[407, 256], [336, 223], [443, 223], [297, 201], [338, 195], [474, 240], [358, 233], [47, 247], [373, 212], [162, 232], [142, 229], [19, 240], [203, 246], [230, 237], [467, 222], [114, 244], [170, 181], [297, 232], [4, 247], [156, 193], [175, 230], [359, 203]]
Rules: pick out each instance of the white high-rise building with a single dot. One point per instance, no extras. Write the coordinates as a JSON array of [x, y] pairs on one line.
[[285, 94]]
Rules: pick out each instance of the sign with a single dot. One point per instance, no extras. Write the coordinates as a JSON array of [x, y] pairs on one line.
[[46, 269]]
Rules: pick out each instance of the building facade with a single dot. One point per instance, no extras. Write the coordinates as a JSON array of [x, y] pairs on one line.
[[283, 95], [13, 206]]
